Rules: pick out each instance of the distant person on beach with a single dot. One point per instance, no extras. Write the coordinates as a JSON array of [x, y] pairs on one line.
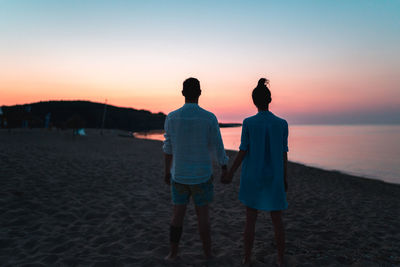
[[263, 182], [192, 135]]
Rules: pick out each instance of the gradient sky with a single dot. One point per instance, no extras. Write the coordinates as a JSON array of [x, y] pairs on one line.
[[328, 61]]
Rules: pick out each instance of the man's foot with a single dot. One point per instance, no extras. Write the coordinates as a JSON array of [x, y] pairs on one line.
[[280, 263], [171, 257], [209, 261], [209, 257], [246, 262]]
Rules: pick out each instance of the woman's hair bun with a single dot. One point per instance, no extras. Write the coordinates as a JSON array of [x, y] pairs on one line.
[[262, 83], [261, 94]]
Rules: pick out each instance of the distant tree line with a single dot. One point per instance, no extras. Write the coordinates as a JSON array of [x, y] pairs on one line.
[[80, 114]]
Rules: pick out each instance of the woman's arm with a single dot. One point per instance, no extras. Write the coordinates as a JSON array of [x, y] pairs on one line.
[[238, 160], [285, 170]]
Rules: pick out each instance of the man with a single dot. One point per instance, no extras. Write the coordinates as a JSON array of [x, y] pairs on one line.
[[191, 136]]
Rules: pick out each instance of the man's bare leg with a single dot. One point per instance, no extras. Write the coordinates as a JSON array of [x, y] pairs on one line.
[[177, 222], [249, 229], [204, 229], [276, 217]]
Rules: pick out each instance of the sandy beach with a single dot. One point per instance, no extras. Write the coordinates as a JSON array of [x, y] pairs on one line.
[[100, 200]]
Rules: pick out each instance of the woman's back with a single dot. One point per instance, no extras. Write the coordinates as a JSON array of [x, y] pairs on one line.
[[264, 137]]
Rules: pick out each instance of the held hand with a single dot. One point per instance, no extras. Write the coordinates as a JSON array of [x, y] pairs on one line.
[[223, 175], [167, 178], [228, 178]]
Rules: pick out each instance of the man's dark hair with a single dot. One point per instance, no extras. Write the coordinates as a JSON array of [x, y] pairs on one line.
[[261, 94], [191, 88]]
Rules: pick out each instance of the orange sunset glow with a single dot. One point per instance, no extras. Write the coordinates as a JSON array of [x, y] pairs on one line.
[[319, 69]]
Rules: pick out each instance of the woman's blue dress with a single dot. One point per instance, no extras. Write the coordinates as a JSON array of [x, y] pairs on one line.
[[264, 137]]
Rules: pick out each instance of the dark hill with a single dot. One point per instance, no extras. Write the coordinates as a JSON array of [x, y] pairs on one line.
[[81, 114]]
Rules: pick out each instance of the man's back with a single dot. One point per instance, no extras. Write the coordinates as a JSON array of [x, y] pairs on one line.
[[191, 136]]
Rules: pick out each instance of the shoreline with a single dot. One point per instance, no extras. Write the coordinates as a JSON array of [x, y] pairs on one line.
[[100, 200], [383, 170], [123, 133], [354, 175], [340, 172], [358, 175]]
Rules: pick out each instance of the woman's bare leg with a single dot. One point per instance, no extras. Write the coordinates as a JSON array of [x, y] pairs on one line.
[[276, 217], [249, 229]]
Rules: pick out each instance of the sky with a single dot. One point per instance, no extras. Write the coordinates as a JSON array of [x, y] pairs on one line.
[[328, 62]]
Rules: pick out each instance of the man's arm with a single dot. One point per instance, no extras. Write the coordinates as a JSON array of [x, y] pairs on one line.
[[244, 146], [167, 170], [167, 147], [285, 160], [238, 160], [219, 146], [219, 150]]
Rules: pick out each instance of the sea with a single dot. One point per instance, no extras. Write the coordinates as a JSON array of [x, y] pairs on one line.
[[370, 151]]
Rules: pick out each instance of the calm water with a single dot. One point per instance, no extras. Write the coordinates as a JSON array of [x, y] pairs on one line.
[[365, 150]]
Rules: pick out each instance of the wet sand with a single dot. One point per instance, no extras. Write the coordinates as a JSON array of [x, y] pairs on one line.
[[101, 201]]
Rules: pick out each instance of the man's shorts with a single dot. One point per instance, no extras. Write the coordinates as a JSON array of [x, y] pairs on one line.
[[202, 194]]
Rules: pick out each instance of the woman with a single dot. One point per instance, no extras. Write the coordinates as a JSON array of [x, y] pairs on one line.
[[263, 184]]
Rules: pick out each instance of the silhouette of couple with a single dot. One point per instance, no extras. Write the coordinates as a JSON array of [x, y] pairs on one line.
[[193, 140]]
